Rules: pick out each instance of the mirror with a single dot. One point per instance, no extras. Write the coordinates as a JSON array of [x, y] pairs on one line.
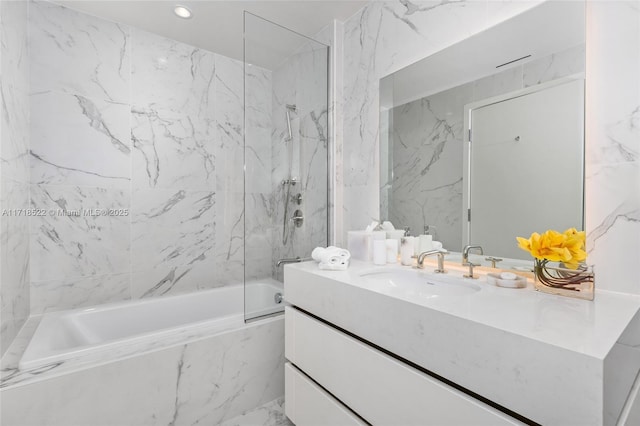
[[484, 140]]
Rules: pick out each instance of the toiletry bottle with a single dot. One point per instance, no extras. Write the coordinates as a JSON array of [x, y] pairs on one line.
[[406, 251], [426, 240], [379, 251]]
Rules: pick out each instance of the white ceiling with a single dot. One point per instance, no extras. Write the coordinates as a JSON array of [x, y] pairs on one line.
[[217, 26]]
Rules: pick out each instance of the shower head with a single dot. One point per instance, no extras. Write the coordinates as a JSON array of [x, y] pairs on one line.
[[289, 109]]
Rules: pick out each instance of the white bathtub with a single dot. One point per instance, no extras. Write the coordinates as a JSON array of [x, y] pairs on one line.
[[122, 329]]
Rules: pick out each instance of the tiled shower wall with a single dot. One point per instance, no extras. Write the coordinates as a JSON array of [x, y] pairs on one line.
[[14, 171], [301, 80], [152, 128], [427, 145], [388, 35]]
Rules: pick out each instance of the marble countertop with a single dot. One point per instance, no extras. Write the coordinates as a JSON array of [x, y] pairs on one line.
[[523, 349]]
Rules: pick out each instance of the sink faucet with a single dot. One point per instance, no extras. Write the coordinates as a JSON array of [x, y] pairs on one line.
[[465, 253], [440, 254]]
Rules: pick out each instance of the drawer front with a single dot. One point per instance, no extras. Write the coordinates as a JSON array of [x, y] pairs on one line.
[[381, 389], [307, 404]]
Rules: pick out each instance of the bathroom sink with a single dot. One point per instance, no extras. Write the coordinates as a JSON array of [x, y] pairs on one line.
[[414, 283]]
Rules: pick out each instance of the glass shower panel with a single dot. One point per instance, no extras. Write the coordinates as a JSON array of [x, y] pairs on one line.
[[286, 128]]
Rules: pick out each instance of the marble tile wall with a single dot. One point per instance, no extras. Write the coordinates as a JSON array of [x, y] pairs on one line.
[[128, 120], [301, 80], [613, 143], [14, 170], [427, 144], [331, 36], [207, 381], [80, 157], [388, 35]]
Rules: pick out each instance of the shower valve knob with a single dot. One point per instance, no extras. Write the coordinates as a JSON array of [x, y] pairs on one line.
[[298, 199], [297, 218]]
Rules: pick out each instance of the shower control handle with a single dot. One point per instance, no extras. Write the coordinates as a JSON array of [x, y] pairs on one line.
[[297, 199], [297, 218]]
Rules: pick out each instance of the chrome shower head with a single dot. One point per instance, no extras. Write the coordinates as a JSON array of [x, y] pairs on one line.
[[289, 109]]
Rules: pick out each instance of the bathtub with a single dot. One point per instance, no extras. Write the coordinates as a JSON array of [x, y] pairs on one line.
[[117, 330]]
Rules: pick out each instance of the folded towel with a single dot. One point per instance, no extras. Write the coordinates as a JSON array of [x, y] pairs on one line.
[[330, 255], [343, 253], [342, 266]]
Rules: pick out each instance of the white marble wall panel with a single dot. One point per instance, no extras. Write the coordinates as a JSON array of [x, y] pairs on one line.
[[207, 381], [14, 170], [229, 115], [259, 202], [172, 233], [162, 122], [14, 85], [427, 146], [70, 246], [167, 74], [14, 261], [502, 82], [76, 293], [332, 35], [172, 150], [613, 143], [79, 141], [173, 126], [78, 54], [567, 62], [261, 235]]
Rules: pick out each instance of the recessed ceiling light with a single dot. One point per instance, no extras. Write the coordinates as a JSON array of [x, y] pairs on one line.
[[182, 12]]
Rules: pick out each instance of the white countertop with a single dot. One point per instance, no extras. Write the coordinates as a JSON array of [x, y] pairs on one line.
[[587, 327], [553, 359]]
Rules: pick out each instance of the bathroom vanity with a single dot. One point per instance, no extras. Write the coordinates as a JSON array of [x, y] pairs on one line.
[[397, 345]]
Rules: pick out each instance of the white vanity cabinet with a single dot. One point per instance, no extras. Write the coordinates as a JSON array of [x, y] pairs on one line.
[[378, 387]]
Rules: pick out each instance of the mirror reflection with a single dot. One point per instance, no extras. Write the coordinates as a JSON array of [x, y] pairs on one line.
[[484, 141]]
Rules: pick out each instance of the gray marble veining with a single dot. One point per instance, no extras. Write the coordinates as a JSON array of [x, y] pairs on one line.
[[78, 54], [127, 119]]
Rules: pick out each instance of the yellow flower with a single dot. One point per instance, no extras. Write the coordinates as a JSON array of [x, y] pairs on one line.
[[566, 247]]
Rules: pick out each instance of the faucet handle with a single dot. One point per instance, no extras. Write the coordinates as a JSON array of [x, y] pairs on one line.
[[493, 260], [470, 274], [441, 256]]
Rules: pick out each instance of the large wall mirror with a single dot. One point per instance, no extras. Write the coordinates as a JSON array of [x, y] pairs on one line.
[[484, 141]]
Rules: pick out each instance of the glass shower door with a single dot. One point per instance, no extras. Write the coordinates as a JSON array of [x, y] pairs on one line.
[[286, 163]]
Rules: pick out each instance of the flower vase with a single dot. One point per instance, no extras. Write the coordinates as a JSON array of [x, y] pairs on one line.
[[578, 283]]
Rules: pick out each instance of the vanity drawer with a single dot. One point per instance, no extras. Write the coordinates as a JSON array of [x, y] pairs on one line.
[[307, 404], [381, 389]]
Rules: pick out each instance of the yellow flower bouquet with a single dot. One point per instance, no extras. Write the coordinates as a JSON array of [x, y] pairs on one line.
[[568, 249]]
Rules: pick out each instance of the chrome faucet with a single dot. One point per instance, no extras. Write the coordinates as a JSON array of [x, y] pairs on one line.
[[440, 254], [465, 253]]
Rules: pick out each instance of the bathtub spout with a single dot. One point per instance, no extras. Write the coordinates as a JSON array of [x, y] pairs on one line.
[[281, 262]]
